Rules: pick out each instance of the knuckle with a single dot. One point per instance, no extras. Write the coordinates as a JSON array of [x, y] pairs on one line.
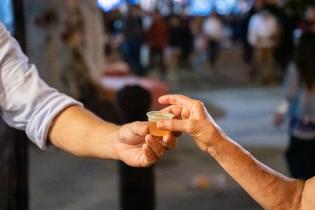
[[137, 123], [128, 128], [168, 124], [199, 104], [191, 126]]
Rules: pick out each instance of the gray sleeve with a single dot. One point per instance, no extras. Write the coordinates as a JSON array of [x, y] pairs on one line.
[[26, 102], [291, 82]]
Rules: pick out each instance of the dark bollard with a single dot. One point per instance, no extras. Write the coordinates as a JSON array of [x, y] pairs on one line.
[[136, 184], [136, 188]]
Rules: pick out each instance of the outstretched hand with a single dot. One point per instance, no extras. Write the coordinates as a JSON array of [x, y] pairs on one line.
[[191, 117], [136, 147]]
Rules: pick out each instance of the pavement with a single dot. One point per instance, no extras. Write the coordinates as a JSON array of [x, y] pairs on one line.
[[64, 182]]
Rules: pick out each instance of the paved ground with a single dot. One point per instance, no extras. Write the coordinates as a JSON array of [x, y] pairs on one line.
[[60, 181]]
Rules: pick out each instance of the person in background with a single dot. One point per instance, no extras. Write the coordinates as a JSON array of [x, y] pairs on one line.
[[299, 103], [52, 118], [134, 38], [269, 188], [213, 29], [308, 25], [284, 50], [174, 50], [200, 45], [157, 39], [247, 48], [263, 35], [136, 184], [186, 40]]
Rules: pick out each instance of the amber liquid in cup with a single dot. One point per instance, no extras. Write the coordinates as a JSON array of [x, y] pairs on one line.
[[154, 131], [154, 117]]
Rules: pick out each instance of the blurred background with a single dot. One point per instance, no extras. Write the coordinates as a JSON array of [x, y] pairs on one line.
[[118, 57]]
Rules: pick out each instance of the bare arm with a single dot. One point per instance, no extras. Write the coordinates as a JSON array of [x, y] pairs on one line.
[[81, 133], [269, 188], [29, 104]]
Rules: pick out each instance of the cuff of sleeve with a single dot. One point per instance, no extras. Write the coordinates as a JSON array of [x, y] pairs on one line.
[[41, 121]]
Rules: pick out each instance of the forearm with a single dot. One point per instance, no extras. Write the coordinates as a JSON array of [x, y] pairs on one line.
[[269, 188], [81, 133]]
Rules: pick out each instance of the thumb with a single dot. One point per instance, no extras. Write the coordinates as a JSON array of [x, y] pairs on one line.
[[175, 125]]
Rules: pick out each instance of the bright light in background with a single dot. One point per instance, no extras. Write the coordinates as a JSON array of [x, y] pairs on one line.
[[108, 5], [6, 14], [133, 2], [193, 7], [200, 7], [244, 5], [224, 7], [148, 5]]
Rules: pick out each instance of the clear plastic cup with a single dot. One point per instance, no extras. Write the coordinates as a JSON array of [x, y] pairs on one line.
[[154, 117]]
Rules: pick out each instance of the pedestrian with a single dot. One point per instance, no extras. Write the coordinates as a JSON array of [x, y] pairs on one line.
[[247, 54], [284, 51], [200, 50], [308, 24], [157, 40], [263, 34], [299, 103], [174, 50], [134, 39], [213, 29]]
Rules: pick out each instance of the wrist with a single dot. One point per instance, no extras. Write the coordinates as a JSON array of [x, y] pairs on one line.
[[209, 136], [218, 140], [106, 144]]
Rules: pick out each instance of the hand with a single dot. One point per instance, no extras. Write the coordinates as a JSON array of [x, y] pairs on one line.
[[191, 117], [278, 119], [281, 111], [136, 147]]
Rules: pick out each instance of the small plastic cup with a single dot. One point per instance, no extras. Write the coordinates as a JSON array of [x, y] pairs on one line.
[[154, 117]]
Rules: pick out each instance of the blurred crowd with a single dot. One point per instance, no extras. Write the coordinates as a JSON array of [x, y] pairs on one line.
[[276, 45], [150, 42]]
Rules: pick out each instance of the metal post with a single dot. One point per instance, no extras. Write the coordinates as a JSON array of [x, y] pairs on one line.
[[20, 139]]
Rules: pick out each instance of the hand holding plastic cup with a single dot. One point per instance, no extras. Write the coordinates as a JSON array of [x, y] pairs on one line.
[[154, 117]]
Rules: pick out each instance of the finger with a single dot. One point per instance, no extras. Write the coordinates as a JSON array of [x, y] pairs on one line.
[[155, 146], [178, 111], [149, 155], [138, 128], [177, 125], [177, 134], [169, 141], [174, 109], [185, 113], [177, 100]]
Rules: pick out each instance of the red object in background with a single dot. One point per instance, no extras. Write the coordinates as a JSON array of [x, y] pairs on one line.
[[116, 69], [307, 26], [156, 87]]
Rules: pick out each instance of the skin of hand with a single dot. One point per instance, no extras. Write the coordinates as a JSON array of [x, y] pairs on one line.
[[269, 188], [190, 116], [138, 148], [278, 119], [80, 132], [281, 112]]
